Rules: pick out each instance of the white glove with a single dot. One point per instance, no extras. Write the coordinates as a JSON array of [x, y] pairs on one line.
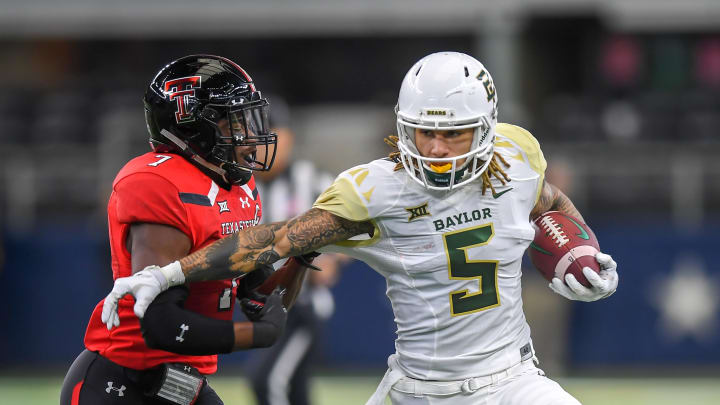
[[603, 284], [144, 285]]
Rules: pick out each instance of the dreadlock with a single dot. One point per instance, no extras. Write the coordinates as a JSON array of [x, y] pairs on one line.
[[392, 141], [494, 169]]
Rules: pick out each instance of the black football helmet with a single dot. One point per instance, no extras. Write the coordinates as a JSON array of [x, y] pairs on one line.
[[202, 107]]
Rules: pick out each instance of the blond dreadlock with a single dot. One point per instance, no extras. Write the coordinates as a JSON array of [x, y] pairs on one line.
[[494, 169], [392, 141]]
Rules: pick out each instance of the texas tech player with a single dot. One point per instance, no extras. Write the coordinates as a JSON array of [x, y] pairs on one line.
[[205, 119]]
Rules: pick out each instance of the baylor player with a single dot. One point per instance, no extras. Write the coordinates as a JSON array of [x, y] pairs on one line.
[[445, 220]]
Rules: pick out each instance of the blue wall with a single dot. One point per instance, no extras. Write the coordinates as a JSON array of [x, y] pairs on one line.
[[50, 283], [663, 271]]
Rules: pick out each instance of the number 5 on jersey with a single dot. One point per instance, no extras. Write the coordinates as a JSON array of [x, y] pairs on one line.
[[460, 267]]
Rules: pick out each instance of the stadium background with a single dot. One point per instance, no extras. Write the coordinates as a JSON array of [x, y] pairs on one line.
[[624, 97]]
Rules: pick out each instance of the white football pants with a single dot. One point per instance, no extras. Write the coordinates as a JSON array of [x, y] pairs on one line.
[[524, 384]]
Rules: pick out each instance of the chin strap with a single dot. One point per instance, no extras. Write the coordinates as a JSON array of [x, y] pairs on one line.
[[243, 176], [192, 155]]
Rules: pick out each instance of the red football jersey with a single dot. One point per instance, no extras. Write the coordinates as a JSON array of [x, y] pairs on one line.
[[167, 189]]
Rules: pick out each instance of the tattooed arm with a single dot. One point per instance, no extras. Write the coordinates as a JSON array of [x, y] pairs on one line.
[[552, 199], [265, 244], [240, 253]]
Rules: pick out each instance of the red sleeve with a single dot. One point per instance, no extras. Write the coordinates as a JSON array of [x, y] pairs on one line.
[[147, 197]]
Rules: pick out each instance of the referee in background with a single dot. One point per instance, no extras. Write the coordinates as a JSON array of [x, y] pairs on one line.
[[280, 374]]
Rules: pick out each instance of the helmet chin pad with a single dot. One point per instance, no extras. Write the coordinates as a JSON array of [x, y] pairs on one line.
[[237, 175], [444, 179]]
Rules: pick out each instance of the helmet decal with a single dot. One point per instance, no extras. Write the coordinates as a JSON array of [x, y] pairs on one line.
[[488, 84], [181, 90]]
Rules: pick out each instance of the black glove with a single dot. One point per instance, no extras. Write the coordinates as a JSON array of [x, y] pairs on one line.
[[307, 259], [269, 323], [253, 280], [167, 325], [252, 305]]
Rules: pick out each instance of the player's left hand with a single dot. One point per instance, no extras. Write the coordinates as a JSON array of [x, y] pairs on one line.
[[253, 280], [603, 284], [144, 285]]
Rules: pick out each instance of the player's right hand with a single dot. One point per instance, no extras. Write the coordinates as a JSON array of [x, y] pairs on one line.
[[269, 323], [603, 284], [144, 285]]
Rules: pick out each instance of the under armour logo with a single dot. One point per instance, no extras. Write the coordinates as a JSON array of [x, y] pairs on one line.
[[245, 202], [118, 390], [223, 206], [184, 328], [187, 369]]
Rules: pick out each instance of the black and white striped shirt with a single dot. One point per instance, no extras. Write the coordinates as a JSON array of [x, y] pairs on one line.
[[292, 192]]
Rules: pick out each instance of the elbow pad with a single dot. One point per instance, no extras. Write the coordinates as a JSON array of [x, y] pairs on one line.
[[170, 327]]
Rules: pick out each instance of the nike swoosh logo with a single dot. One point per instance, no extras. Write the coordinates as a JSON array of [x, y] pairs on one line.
[[582, 234], [539, 249], [497, 195]]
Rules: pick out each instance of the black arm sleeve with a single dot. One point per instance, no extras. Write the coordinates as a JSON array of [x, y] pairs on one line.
[[168, 326]]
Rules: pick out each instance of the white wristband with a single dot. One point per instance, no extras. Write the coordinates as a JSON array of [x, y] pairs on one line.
[[173, 273]]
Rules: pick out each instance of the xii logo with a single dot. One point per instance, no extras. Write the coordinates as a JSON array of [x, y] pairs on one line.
[[417, 212], [181, 90]]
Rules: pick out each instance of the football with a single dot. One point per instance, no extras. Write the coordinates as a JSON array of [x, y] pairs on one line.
[[281, 277], [563, 245], [290, 276]]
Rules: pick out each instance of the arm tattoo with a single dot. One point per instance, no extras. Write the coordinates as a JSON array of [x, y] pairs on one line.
[[552, 199], [318, 228], [266, 244]]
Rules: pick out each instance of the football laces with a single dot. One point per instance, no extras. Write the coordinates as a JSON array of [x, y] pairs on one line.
[[554, 230]]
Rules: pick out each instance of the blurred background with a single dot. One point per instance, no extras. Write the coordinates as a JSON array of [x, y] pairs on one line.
[[624, 97]]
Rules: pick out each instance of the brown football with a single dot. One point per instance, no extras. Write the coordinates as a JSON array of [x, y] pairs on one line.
[[290, 276], [563, 244], [282, 277]]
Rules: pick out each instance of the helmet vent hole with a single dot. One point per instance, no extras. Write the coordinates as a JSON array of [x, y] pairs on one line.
[[417, 72], [467, 73]]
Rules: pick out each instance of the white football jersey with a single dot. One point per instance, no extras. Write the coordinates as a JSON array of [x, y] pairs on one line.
[[451, 259]]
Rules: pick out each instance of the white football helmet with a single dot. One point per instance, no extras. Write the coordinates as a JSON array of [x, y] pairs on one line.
[[447, 91]]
